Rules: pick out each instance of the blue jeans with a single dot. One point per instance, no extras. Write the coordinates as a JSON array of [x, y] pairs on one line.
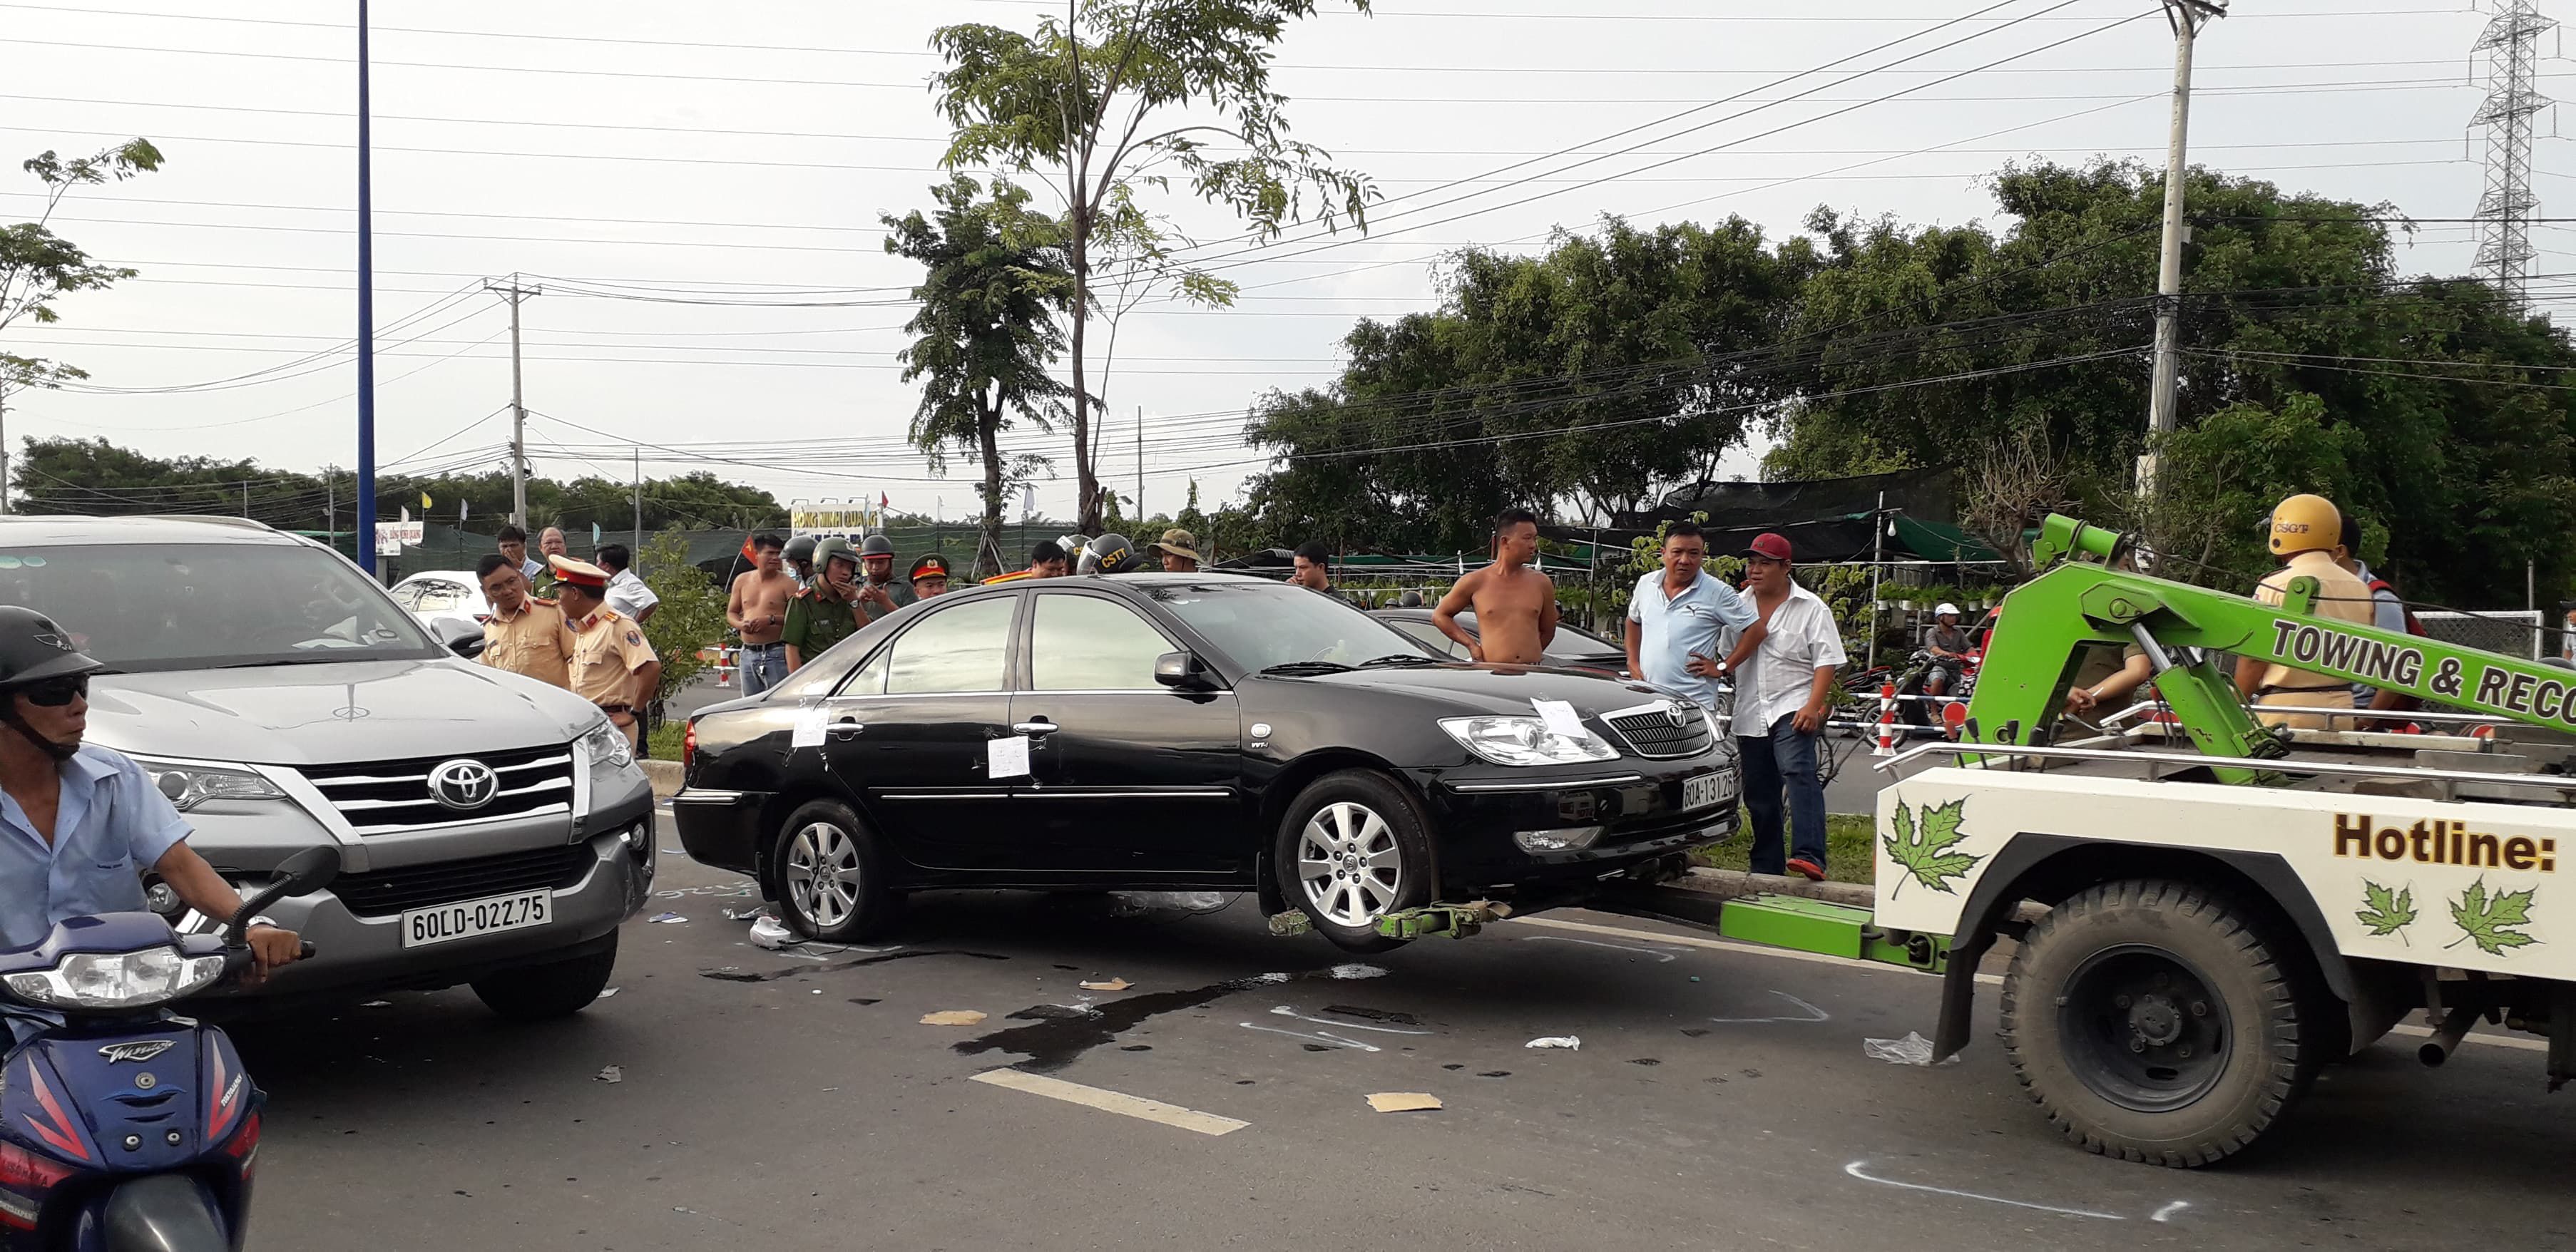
[[763, 665], [1784, 762]]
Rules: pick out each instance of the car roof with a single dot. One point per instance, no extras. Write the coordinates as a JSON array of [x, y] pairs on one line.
[[143, 528]]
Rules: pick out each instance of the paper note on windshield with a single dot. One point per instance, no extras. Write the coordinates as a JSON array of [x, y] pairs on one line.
[[1560, 718], [809, 727], [1007, 758]]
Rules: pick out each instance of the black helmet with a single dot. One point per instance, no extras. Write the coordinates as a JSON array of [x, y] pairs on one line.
[[1409, 600], [33, 649], [800, 548], [1108, 554], [876, 545]]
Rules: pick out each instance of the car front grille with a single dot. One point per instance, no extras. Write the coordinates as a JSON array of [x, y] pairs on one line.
[[385, 797], [1651, 733], [391, 891]]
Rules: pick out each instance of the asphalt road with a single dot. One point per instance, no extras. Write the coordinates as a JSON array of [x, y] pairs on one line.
[[1720, 1099]]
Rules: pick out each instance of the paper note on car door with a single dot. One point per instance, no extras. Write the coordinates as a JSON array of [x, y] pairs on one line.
[[809, 727], [1007, 758], [1560, 718]]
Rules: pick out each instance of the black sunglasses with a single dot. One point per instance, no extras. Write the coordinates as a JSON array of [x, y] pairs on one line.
[[54, 693]]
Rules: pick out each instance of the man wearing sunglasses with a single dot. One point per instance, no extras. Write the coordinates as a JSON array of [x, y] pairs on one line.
[[79, 824]]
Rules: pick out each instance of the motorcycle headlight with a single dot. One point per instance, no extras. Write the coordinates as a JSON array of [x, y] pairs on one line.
[[606, 748], [1525, 741], [117, 980], [190, 783]]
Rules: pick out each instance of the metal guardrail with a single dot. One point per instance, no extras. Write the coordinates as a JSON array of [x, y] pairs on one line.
[[2190, 760]]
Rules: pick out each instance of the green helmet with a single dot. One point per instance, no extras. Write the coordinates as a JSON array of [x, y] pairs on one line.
[[800, 548], [835, 546]]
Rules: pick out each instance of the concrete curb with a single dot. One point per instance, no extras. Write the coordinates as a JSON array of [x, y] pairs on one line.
[[665, 777]]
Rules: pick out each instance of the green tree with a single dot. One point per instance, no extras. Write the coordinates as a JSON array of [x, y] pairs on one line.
[[691, 615], [986, 333], [38, 266], [1084, 102]]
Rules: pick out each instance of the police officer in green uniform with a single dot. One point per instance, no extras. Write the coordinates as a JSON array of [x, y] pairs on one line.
[[826, 612]]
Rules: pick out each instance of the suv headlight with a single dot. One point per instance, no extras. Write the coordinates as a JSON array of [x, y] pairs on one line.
[[117, 980], [1525, 741], [605, 747], [189, 783]]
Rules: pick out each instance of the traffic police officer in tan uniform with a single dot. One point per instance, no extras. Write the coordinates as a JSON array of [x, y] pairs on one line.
[[525, 634], [2305, 532], [612, 666]]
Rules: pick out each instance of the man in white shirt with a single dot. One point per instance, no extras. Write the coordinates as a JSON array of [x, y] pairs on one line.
[[626, 593], [1781, 701]]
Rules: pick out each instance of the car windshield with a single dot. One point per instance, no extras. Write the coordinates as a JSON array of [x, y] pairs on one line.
[[1258, 625], [140, 607]]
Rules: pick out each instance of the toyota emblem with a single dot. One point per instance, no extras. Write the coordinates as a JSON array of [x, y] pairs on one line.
[[463, 783], [1673, 714]]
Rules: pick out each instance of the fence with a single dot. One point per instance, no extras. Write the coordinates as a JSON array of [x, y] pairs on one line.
[[2513, 632]]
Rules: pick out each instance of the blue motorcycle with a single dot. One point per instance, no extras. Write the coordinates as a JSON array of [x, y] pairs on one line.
[[125, 1127]]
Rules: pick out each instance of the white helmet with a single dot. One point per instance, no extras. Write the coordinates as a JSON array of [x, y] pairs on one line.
[[1947, 609]]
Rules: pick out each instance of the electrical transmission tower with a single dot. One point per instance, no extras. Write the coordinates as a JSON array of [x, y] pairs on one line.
[[2512, 44]]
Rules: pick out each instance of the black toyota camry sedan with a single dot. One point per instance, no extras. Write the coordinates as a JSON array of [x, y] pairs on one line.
[[1187, 731]]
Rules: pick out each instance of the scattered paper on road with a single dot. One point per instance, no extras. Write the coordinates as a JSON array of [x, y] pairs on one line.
[[1347, 972], [606, 992], [611, 1074], [1560, 718], [1913, 1049], [1403, 1101], [668, 917], [1570, 1043], [952, 1017], [769, 932], [1007, 758], [1114, 984]]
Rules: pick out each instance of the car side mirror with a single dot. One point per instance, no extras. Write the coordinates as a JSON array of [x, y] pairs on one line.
[[1182, 671], [459, 637]]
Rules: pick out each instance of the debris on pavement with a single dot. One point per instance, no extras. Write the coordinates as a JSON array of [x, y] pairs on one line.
[[606, 992], [1913, 1049], [952, 1017], [376, 1004], [769, 932], [613, 1073], [1404, 1101], [1570, 1043], [1114, 984], [668, 917], [745, 915], [1358, 971], [1139, 903]]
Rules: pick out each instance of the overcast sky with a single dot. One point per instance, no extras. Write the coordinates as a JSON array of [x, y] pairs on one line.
[[649, 148]]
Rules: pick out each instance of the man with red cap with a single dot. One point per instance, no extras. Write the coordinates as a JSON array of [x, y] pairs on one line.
[[612, 666], [1781, 700]]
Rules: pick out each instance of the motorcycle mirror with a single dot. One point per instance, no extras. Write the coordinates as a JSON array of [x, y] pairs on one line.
[[309, 871]]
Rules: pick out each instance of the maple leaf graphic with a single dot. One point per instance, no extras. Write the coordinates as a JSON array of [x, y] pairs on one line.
[[2386, 912], [2489, 920], [1926, 853]]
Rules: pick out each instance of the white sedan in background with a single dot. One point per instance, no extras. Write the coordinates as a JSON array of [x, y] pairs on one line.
[[454, 595]]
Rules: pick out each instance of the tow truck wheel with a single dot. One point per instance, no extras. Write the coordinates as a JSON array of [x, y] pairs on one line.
[[831, 875], [2152, 1022], [1351, 851]]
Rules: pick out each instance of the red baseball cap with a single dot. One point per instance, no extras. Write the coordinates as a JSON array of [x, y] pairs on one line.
[[1769, 546]]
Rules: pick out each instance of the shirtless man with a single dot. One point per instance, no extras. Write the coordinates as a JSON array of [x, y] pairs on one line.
[[758, 608], [1514, 604]]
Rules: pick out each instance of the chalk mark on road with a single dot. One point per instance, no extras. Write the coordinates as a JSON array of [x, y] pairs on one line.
[[1285, 1011], [1664, 955], [2166, 1213], [1319, 1037], [1813, 1014], [1108, 1101], [1859, 1170]]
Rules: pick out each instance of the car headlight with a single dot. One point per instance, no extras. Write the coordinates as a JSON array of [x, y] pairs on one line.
[[117, 980], [189, 784], [1525, 741], [606, 747]]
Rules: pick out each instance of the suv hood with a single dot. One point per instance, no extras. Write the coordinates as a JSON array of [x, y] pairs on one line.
[[332, 713], [1480, 690]]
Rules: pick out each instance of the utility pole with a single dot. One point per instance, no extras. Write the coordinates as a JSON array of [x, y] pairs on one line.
[[2511, 41], [515, 293], [2186, 17], [1140, 462], [4, 452], [330, 508], [638, 554], [245, 497]]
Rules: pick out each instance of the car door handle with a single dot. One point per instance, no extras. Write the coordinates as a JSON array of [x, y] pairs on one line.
[[844, 730], [1039, 727]]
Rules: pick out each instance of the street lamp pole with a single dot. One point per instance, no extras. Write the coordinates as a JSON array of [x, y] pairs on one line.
[[366, 323]]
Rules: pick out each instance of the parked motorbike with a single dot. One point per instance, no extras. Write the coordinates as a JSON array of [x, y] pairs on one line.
[[125, 1127]]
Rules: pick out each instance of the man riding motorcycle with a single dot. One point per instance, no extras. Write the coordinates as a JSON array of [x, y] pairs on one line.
[[1950, 647]]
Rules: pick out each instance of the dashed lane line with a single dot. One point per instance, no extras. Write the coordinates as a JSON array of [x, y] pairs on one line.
[[1112, 1101]]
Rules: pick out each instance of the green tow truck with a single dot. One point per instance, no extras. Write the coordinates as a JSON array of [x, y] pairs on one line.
[[2222, 908]]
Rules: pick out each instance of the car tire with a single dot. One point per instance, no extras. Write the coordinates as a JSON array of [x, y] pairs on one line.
[[2154, 1022], [831, 875], [1366, 829], [535, 993]]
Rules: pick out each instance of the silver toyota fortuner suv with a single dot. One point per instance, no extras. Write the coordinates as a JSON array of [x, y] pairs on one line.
[[495, 830]]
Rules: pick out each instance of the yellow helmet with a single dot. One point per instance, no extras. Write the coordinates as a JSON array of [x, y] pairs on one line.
[[2305, 523]]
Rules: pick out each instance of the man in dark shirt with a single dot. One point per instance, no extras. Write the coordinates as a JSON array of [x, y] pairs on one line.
[[1949, 645]]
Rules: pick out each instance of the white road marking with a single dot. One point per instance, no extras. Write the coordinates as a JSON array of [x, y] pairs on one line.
[[1813, 1013], [1857, 1169], [1664, 955], [1318, 1037], [2166, 1213], [1285, 1011], [1112, 1101]]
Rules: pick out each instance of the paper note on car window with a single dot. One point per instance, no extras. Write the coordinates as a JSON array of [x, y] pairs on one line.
[[1560, 717], [809, 727], [1007, 758]]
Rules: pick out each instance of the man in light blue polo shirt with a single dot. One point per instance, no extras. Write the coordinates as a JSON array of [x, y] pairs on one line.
[[79, 825], [1674, 619]]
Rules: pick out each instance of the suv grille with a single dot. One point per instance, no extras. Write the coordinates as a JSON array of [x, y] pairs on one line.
[[1651, 733], [382, 797], [418, 886]]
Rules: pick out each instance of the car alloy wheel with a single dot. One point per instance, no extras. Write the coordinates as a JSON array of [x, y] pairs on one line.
[[1350, 864], [823, 873]]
